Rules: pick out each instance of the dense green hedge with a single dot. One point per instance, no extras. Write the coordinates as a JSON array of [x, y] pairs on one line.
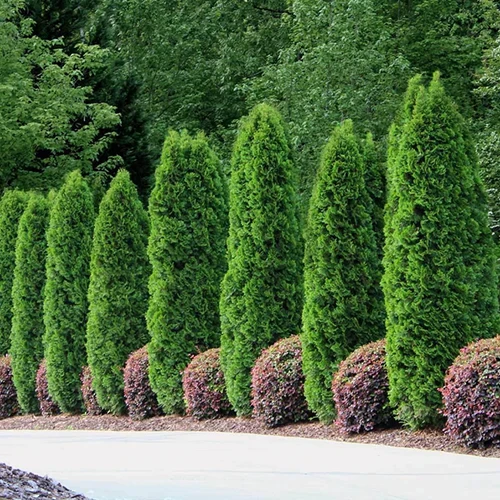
[[12, 206], [343, 301], [261, 297], [440, 281], [118, 293], [188, 211], [69, 240], [27, 299]]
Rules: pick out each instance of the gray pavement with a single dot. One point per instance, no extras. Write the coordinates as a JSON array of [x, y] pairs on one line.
[[212, 466]]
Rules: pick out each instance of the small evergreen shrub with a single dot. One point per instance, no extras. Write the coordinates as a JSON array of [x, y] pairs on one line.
[[88, 393], [48, 406], [140, 399], [8, 397], [471, 395], [204, 387], [360, 390], [278, 384]]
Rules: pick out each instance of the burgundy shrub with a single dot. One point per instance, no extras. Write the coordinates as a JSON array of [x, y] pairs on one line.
[[89, 396], [360, 390], [471, 395], [278, 384], [48, 406], [9, 406], [139, 397], [205, 388]]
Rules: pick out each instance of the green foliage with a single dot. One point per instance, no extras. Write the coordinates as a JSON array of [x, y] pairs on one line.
[[188, 211], [118, 294], [262, 291], [49, 127], [440, 280], [69, 241], [12, 206], [343, 302], [27, 301]]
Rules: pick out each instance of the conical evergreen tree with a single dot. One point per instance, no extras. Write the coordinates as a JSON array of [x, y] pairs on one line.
[[343, 301], [12, 206], [69, 241], [118, 293], [27, 298], [188, 211], [261, 297], [440, 280]]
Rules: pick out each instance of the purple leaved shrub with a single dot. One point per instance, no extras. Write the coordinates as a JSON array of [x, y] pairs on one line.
[[278, 384], [204, 387], [8, 397], [140, 399], [89, 396], [360, 390], [471, 395], [48, 406]]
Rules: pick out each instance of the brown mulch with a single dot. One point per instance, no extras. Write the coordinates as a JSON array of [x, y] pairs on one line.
[[428, 439], [16, 484]]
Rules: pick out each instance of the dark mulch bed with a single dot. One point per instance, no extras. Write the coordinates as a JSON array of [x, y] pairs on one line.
[[428, 439], [16, 484]]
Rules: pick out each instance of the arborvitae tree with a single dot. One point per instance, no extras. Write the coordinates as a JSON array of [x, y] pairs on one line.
[[27, 298], [261, 297], [12, 206], [69, 241], [343, 301], [375, 181], [188, 211], [118, 293], [440, 279]]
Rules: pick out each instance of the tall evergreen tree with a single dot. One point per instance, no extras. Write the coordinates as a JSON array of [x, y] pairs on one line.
[[343, 301], [440, 280], [188, 211], [261, 296], [118, 294], [12, 206], [69, 241], [27, 298]]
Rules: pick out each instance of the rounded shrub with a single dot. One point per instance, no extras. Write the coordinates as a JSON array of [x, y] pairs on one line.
[[204, 387], [118, 289], [278, 384], [69, 240], [471, 395], [188, 212], [361, 390], [140, 399], [88, 393], [46, 404], [27, 301], [9, 406]]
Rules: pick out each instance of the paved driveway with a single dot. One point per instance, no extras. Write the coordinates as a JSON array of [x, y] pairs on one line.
[[212, 466]]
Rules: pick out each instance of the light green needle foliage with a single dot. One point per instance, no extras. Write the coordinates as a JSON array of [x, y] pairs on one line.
[[440, 280], [118, 290], [12, 206], [188, 212], [69, 241], [27, 298], [343, 301], [261, 297]]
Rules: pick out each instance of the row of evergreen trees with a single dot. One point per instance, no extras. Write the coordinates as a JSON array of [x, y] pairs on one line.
[[438, 291]]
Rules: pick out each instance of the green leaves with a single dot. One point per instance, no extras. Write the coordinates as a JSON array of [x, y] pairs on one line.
[[343, 302], [118, 290], [69, 241], [188, 212], [440, 280], [262, 292]]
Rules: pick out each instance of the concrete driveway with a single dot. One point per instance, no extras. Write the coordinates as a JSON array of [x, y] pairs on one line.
[[212, 466]]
